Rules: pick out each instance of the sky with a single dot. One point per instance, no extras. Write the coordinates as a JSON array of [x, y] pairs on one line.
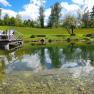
[[29, 9]]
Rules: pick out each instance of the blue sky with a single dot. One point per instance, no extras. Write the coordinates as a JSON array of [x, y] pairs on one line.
[[28, 9], [17, 5]]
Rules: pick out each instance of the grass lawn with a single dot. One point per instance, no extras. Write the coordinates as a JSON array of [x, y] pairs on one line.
[[49, 33]]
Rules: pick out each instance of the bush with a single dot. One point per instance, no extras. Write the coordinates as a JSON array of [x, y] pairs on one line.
[[68, 40], [32, 36], [49, 40], [86, 39], [41, 35], [72, 34]]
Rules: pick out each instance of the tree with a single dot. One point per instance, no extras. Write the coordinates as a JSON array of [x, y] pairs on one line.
[[85, 19], [91, 23], [29, 23], [41, 16], [18, 21], [6, 19], [92, 13], [12, 21], [70, 23], [55, 15], [1, 22]]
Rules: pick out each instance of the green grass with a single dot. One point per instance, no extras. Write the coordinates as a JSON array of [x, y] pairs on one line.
[[50, 33], [36, 31]]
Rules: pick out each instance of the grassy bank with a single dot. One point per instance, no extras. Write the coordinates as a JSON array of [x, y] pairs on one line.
[[49, 34]]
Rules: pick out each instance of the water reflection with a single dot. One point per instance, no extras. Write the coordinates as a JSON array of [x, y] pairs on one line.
[[43, 58], [26, 63], [48, 61]]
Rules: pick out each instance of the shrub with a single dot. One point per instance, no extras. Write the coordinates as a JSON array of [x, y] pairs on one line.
[[49, 40], [68, 40], [41, 35], [32, 36]]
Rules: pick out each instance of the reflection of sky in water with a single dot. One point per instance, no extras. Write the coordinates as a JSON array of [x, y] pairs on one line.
[[27, 63], [77, 60], [48, 61], [30, 62], [81, 63]]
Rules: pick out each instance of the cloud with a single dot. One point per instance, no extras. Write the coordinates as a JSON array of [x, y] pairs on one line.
[[5, 3], [90, 4], [87, 3], [69, 7], [47, 14], [31, 10], [11, 13], [78, 1], [76, 5]]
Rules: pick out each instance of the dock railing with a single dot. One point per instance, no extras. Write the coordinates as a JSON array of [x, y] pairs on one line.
[[11, 35]]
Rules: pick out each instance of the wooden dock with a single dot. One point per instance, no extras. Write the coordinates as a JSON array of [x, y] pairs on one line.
[[9, 41]]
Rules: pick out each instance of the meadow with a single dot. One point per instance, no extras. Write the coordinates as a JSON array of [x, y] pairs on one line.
[[49, 33]]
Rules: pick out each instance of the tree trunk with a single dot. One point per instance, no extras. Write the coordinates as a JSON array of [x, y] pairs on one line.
[[72, 30]]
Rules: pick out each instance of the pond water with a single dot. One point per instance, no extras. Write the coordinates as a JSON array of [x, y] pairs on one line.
[[48, 69], [39, 58]]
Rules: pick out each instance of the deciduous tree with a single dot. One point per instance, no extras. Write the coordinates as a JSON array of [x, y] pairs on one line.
[[70, 23], [55, 15]]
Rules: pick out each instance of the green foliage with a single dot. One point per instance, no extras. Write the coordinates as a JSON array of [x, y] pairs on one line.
[[12, 21], [18, 21], [92, 18], [41, 16], [85, 19], [55, 15], [88, 18], [92, 13], [6, 20], [32, 36], [28, 23], [70, 22]]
